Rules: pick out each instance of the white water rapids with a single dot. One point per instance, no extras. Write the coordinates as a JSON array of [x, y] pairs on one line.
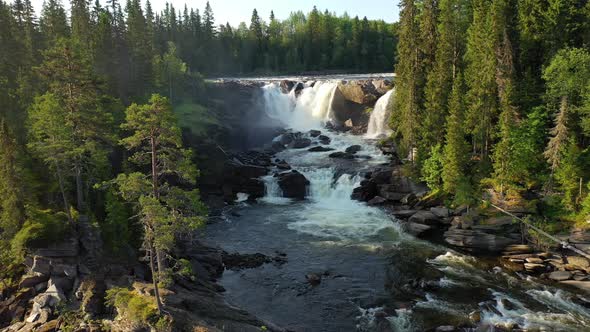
[[329, 223]]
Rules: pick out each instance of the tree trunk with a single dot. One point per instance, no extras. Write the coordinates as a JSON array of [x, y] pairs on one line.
[[63, 192], [156, 193], [155, 278], [79, 189]]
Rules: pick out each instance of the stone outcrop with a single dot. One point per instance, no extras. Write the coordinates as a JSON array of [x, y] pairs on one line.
[[293, 184]]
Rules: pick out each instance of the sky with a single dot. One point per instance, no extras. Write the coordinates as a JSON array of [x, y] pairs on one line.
[[236, 11]]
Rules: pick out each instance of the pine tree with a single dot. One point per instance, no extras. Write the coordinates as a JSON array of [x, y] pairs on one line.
[[449, 51], [53, 21], [85, 125], [409, 78], [12, 206], [80, 17], [164, 209], [456, 149], [480, 76]]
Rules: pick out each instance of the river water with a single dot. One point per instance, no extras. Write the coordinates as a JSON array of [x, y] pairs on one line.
[[374, 276]]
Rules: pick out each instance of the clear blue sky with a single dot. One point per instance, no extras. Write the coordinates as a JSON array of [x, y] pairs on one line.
[[236, 11]]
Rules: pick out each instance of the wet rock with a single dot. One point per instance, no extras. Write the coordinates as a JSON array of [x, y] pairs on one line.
[[277, 147], [425, 218], [353, 149], [41, 265], [404, 214], [236, 261], [409, 199], [300, 143], [475, 316], [313, 279], [287, 138], [320, 149], [560, 275], [382, 176], [314, 133], [445, 328], [341, 155], [283, 165], [377, 200], [367, 190], [286, 86], [293, 184], [415, 229], [324, 139]]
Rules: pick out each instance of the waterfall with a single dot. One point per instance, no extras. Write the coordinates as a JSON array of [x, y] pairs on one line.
[[378, 122], [310, 110]]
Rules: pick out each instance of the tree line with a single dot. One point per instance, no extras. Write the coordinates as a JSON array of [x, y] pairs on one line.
[[496, 95]]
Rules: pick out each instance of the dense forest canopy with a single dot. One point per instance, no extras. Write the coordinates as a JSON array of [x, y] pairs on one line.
[[507, 84]]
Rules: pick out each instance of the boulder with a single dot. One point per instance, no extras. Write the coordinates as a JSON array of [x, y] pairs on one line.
[[377, 200], [535, 268], [560, 275], [353, 149], [535, 260], [286, 86], [300, 143], [41, 265], [366, 191], [381, 176], [293, 184], [314, 279], [441, 212], [314, 133], [425, 218], [415, 229], [320, 149], [582, 285], [478, 240], [404, 214], [341, 155], [50, 326], [324, 139], [283, 165], [32, 280]]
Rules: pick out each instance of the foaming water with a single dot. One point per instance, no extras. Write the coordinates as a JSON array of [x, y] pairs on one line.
[[378, 123], [310, 110]]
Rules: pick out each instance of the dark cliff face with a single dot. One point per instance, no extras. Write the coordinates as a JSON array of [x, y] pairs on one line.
[[241, 106]]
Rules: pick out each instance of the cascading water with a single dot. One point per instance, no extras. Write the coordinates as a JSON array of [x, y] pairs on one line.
[[378, 125], [308, 111]]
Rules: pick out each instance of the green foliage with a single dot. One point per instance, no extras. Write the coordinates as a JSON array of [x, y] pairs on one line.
[[568, 176], [137, 308], [41, 228], [196, 118], [432, 169], [116, 229], [184, 268]]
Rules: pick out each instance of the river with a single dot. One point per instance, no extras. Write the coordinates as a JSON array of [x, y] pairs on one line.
[[374, 276]]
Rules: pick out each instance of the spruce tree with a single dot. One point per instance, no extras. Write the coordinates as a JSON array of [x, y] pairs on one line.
[[409, 78], [456, 150]]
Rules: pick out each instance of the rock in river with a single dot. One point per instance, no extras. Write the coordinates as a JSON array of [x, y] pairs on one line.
[[293, 184]]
